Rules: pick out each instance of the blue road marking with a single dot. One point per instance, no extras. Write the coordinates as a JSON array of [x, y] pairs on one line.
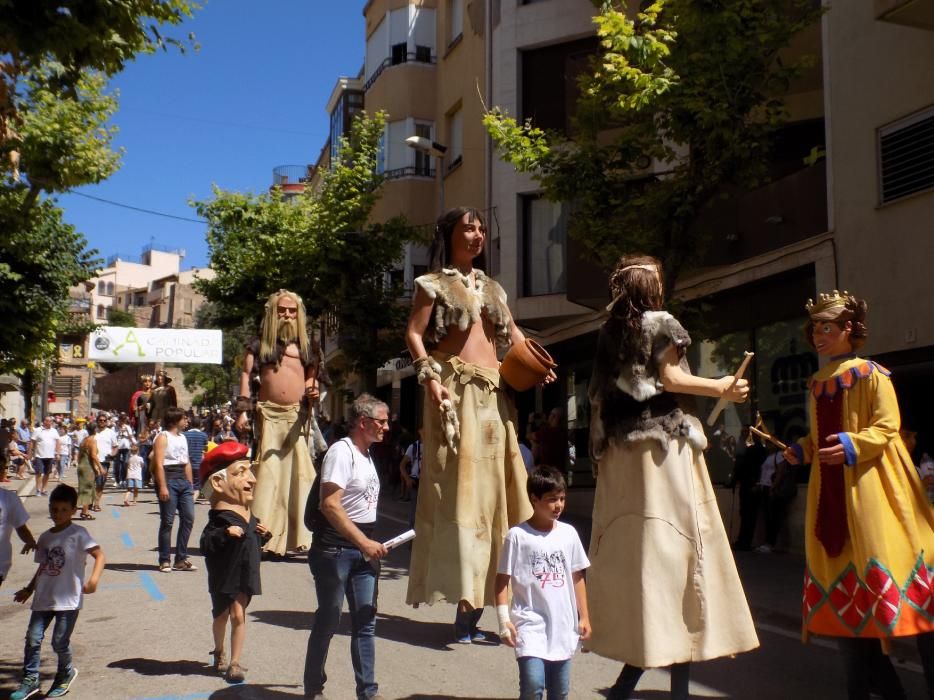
[[114, 512], [153, 590], [127, 540]]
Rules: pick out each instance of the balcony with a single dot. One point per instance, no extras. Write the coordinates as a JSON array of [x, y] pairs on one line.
[[913, 13], [291, 179], [422, 54]]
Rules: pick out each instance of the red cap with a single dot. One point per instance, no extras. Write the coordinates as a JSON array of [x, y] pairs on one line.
[[221, 457]]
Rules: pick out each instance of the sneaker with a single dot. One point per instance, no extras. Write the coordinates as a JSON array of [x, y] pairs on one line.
[[184, 565], [165, 567], [462, 635], [60, 687], [477, 636], [28, 688]]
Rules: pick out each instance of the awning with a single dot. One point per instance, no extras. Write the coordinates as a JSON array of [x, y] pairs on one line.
[[8, 383]]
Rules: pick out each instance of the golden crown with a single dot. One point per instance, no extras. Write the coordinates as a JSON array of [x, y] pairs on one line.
[[826, 302]]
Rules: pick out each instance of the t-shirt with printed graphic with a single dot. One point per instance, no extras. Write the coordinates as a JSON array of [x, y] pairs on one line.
[[544, 605], [353, 471], [63, 556], [12, 517]]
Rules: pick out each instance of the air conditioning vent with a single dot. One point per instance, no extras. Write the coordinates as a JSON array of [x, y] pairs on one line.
[[906, 156]]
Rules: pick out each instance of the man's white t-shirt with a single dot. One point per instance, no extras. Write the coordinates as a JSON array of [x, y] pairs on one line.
[[12, 517], [46, 440], [414, 453], [767, 470], [124, 437], [106, 442], [544, 605], [354, 472], [63, 556]]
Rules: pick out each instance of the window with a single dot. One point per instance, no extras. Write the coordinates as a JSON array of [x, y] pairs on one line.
[[381, 154], [423, 54], [101, 311], [906, 156], [455, 20], [422, 159], [455, 154], [110, 289], [549, 82], [544, 234], [399, 52], [138, 301], [102, 287]]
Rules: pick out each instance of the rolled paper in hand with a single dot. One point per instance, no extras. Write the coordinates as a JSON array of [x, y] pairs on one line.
[[396, 541]]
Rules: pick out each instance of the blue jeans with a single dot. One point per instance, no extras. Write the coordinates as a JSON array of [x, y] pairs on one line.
[[537, 675], [120, 465], [61, 639], [340, 571], [181, 500]]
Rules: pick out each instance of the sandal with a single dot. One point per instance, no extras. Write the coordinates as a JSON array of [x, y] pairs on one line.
[[86, 516], [235, 673], [220, 661]]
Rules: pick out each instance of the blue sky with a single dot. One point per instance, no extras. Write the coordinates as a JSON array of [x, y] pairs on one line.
[[252, 98]]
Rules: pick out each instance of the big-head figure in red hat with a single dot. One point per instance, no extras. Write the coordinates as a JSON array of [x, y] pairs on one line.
[[231, 544]]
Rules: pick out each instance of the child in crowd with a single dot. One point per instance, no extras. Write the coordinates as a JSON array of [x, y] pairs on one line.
[[230, 543], [542, 558], [59, 586], [12, 517], [134, 476]]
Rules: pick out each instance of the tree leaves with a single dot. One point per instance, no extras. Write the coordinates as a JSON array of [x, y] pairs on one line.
[[317, 244], [692, 90]]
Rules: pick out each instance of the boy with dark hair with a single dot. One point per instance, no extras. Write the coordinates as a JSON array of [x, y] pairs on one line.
[[544, 561], [59, 586]]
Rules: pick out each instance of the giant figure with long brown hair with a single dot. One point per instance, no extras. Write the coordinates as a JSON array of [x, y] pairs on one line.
[[663, 586], [282, 368], [472, 487]]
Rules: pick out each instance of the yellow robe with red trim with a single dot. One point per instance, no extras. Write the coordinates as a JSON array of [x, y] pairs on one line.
[[880, 584]]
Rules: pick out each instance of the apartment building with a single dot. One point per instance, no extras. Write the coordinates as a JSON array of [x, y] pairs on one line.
[[425, 67], [858, 219]]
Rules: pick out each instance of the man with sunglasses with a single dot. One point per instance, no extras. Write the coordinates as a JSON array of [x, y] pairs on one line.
[[344, 557]]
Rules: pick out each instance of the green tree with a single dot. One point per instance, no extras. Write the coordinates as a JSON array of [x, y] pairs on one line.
[[695, 86], [119, 317], [318, 245]]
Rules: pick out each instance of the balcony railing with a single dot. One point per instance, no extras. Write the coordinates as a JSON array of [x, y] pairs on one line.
[[425, 57], [409, 171], [291, 174]]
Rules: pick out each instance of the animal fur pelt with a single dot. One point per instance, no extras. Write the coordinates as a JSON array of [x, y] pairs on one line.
[[628, 400], [457, 304]]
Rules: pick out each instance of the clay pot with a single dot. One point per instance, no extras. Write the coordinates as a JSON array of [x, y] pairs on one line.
[[526, 365]]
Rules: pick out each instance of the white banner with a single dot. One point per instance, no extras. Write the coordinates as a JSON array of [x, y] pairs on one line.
[[184, 345]]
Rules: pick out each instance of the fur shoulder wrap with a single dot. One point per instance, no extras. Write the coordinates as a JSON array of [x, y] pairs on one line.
[[456, 304], [628, 400]]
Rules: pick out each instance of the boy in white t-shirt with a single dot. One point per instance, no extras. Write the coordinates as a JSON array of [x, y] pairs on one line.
[[59, 586], [134, 476], [544, 561]]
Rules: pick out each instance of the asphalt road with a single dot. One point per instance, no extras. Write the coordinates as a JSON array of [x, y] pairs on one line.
[[146, 634]]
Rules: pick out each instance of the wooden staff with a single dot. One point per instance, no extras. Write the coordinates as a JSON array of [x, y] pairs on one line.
[[721, 404], [760, 429]]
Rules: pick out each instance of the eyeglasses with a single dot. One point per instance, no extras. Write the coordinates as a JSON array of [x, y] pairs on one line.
[[382, 421]]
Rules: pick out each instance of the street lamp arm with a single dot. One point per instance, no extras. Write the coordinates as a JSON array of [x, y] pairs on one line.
[[420, 143]]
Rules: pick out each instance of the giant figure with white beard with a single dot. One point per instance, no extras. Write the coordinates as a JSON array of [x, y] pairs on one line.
[[283, 369]]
